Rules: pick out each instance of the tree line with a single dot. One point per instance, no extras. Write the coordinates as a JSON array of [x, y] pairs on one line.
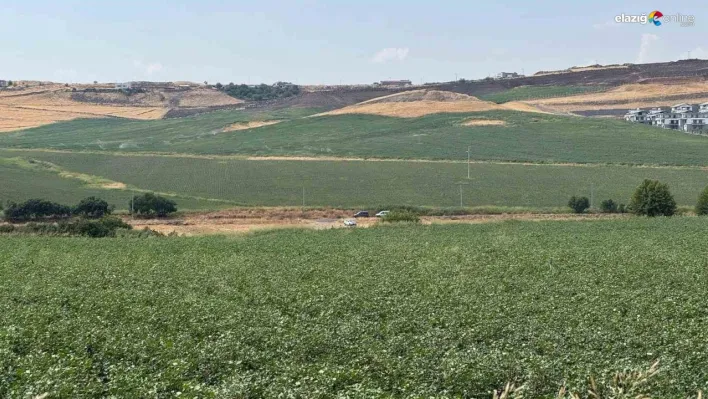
[[651, 198], [260, 92]]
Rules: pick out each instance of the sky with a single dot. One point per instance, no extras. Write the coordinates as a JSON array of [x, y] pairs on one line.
[[331, 42]]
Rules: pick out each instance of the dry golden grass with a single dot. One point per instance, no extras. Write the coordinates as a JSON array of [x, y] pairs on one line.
[[522, 106], [580, 69], [628, 96], [248, 125], [483, 122], [40, 105], [417, 103]]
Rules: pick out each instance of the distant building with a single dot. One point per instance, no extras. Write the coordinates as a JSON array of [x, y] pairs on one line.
[[124, 86], [396, 83], [636, 115], [685, 117], [507, 75], [4, 83]]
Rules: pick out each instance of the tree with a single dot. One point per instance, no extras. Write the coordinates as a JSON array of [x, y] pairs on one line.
[[219, 86], [579, 204], [608, 206], [652, 198], [35, 209], [702, 205], [9, 83], [150, 204], [92, 207]]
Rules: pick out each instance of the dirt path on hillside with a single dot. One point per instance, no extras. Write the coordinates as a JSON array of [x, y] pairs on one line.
[[245, 220]]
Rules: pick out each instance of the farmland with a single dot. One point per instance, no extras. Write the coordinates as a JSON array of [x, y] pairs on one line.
[[535, 92], [343, 183], [403, 311], [525, 137]]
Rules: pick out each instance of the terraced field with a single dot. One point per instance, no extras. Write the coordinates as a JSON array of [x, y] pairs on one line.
[[372, 183], [386, 312], [536, 92]]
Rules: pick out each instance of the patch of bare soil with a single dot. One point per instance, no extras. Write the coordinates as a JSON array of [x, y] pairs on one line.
[[249, 125], [243, 220], [483, 122]]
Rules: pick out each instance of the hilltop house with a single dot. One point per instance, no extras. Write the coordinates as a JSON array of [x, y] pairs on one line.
[[686, 117], [124, 86], [507, 75], [395, 83], [4, 83]]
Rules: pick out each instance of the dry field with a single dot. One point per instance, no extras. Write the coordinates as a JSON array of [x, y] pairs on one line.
[[629, 96], [249, 125], [483, 122], [581, 69], [40, 105], [417, 103]]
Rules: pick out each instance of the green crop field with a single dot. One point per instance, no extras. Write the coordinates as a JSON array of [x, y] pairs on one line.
[[527, 137], [398, 311], [20, 183], [370, 183], [536, 92]]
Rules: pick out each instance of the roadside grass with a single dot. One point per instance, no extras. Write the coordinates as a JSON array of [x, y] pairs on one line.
[[385, 312], [525, 137], [368, 185], [535, 92]]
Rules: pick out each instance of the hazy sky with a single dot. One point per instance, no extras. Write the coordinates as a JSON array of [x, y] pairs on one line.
[[312, 42]]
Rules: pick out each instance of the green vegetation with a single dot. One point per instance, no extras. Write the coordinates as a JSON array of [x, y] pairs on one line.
[[24, 179], [652, 198], [104, 227], [609, 206], [526, 137], [92, 207], [34, 209], [354, 183], [702, 205], [536, 92], [260, 92], [392, 311], [150, 205], [401, 215], [579, 204]]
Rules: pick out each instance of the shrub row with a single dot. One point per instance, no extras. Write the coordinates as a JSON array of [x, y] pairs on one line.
[[147, 204], [651, 198], [35, 209], [104, 227]]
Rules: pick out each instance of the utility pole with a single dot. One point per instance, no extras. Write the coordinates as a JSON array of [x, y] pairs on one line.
[[460, 195], [455, 76], [303, 196], [592, 194], [469, 149]]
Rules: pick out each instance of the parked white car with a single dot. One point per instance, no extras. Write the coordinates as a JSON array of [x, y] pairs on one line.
[[382, 214], [350, 223]]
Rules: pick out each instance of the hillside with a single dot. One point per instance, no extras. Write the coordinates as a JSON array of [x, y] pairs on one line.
[[31, 106]]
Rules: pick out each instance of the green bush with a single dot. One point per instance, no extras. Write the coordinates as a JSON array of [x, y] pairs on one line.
[[608, 206], [106, 227], [34, 209], [702, 205], [401, 216], [652, 198], [579, 204], [261, 92], [622, 208], [92, 207], [150, 204]]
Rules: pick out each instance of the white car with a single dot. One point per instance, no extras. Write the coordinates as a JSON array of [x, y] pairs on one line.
[[350, 223], [382, 214]]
